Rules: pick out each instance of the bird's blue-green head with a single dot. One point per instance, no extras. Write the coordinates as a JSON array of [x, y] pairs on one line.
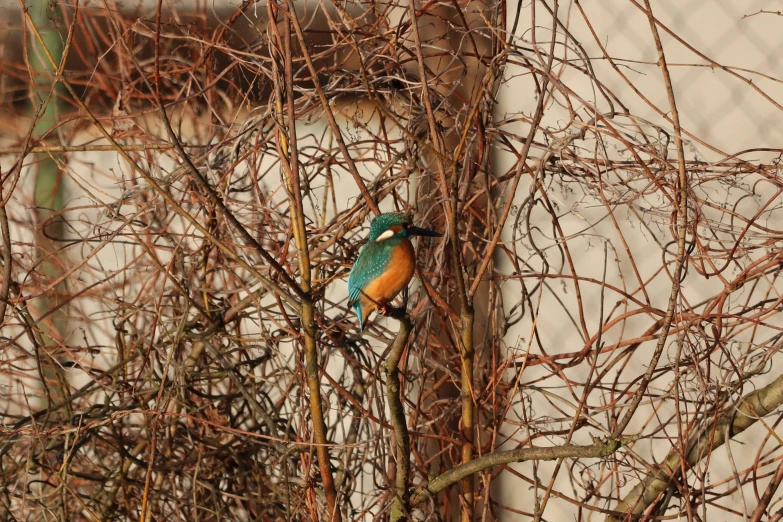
[[396, 224]]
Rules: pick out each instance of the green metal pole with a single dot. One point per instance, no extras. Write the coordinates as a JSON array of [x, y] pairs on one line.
[[49, 194]]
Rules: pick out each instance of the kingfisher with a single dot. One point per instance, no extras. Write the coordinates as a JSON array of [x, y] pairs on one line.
[[385, 264]]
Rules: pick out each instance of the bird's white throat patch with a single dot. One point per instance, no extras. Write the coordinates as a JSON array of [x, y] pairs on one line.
[[386, 235]]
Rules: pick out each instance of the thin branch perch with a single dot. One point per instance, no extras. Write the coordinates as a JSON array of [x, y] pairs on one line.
[[394, 388]]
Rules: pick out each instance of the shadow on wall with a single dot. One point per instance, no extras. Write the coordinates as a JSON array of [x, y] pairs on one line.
[[228, 74]]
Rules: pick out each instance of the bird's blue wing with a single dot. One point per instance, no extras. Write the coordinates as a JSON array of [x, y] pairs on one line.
[[370, 263]]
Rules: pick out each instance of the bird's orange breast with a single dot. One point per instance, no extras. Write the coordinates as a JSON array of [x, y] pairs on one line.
[[397, 275]]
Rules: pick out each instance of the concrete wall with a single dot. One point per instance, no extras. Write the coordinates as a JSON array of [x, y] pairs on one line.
[[724, 113]]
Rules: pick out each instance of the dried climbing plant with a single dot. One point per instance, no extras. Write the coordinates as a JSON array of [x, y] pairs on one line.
[[598, 324]]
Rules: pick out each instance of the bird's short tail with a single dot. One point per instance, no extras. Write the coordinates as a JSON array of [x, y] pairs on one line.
[[361, 314]]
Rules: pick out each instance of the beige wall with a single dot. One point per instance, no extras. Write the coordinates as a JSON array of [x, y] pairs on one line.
[[715, 107]]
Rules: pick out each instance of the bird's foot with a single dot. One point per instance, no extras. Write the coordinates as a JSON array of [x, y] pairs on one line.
[[387, 310]]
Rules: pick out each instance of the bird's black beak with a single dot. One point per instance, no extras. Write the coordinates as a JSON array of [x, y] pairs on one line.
[[416, 231]]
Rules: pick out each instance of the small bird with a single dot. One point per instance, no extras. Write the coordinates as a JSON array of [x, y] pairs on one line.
[[385, 264]]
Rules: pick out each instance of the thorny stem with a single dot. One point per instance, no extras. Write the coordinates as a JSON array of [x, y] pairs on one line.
[[287, 143], [682, 228], [465, 327], [5, 282], [467, 353]]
